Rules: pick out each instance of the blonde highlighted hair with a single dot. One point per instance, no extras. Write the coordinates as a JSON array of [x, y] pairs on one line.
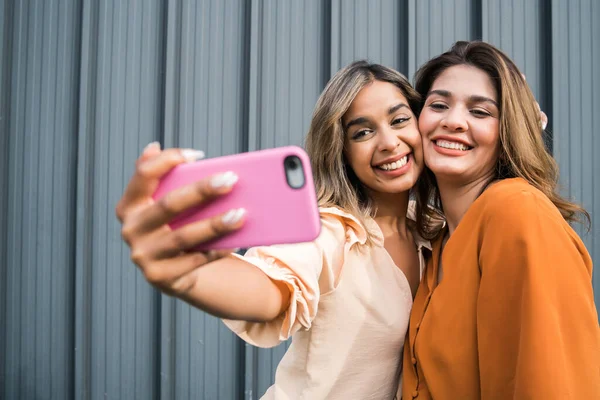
[[335, 182], [522, 150]]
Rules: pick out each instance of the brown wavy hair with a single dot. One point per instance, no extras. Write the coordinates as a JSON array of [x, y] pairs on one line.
[[335, 181], [522, 150]]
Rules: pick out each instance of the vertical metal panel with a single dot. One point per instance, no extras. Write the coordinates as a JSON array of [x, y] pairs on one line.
[[576, 92], [6, 37], [286, 70], [519, 28], [435, 25], [375, 30], [120, 111], [39, 164], [84, 237], [205, 109]]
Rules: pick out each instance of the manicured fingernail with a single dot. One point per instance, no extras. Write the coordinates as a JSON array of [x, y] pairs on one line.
[[226, 179], [153, 145], [192, 155], [544, 124], [233, 216]]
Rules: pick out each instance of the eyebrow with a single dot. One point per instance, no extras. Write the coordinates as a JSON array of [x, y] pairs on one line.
[[362, 120], [474, 98]]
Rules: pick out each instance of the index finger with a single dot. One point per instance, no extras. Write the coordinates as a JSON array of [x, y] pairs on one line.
[[148, 172], [179, 200]]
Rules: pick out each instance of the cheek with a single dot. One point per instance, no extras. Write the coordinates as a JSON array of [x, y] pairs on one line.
[[427, 122], [419, 158], [356, 154], [489, 135], [413, 139], [417, 143]]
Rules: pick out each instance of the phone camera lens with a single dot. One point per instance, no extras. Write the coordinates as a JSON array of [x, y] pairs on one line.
[[291, 163], [294, 172]]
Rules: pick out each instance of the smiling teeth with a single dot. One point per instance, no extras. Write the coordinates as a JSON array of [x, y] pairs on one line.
[[452, 145], [394, 165]]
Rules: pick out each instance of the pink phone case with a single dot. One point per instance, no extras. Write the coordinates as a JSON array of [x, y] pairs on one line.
[[275, 212]]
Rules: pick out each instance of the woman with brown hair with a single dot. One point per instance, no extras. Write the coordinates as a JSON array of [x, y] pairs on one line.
[[506, 307], [345, 298]]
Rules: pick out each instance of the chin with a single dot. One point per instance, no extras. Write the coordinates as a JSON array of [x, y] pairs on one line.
[[404, 188], [401, 186], [447, 171], [407, 184]]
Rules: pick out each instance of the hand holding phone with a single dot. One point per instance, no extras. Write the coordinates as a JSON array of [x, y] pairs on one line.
[[155, 249], [274, 187], [210, 280]]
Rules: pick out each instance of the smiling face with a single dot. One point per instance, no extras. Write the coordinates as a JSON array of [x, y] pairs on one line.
[[459, 125], [382, 142]]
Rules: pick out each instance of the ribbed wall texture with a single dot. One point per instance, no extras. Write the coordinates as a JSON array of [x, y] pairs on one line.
[[85, 85], [575, 97], [40, 65]]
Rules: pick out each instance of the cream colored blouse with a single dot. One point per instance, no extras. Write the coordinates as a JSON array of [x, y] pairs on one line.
[[348, 316]]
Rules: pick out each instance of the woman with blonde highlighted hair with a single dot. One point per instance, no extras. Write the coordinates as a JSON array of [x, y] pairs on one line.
[[345, 298], [506, 307]]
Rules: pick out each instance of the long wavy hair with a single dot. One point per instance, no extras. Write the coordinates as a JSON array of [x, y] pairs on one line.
[[522, 150], [335, 181]]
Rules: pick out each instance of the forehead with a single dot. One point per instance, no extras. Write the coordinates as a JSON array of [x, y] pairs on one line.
[[465, 80], [376, 97]]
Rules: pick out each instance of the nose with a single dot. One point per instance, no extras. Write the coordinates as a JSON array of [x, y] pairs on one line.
[[454, 120], [388, 140]]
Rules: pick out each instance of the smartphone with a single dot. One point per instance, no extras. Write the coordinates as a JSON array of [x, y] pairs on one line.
[[275, 186]]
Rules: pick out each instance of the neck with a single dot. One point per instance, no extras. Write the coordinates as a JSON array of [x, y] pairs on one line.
[[457, 198], [391, 212]]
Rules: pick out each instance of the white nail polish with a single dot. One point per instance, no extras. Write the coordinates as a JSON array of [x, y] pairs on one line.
[[152, 145], [226, 179], [192, 155], [233, 216], [544, 124]]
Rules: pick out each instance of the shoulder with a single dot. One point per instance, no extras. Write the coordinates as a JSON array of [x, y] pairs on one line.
[[512, 191], [516, 216], [522, 230], [517, 203], [343, 225]]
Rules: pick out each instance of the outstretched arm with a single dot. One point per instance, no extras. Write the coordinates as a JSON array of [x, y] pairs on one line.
[[215, 282]]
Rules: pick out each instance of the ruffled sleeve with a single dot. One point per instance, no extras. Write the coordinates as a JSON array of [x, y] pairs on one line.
[[308, 269]]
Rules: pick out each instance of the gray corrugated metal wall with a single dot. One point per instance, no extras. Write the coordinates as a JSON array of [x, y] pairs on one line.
[[84, 85]]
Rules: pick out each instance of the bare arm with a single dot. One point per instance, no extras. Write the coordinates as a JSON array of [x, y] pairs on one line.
[[231, 288], [215, 282]]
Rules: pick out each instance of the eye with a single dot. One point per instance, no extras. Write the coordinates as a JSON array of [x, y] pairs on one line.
[[480, 113], [438, 106], [361, 134], [400, 120]]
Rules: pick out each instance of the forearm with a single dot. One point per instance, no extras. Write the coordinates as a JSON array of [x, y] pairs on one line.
[[231, 288]]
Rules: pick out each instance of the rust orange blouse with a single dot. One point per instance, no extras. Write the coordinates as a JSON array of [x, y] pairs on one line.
[[513, 316]]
